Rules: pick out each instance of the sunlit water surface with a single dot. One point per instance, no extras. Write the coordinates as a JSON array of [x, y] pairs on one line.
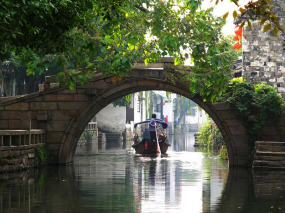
[[117, 180]]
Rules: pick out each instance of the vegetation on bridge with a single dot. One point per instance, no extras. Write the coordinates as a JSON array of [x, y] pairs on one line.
[[86, 36], [256, 104]]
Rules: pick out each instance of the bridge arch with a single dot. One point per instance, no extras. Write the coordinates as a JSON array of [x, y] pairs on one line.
[[64, 113], [230, 126]]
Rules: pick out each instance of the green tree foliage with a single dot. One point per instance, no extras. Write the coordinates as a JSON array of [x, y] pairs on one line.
[[256, 104], [210, 136], [42, 26], [123, 102], [88, 36]]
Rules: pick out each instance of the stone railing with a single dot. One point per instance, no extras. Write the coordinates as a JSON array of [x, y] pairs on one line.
[[21, 137]]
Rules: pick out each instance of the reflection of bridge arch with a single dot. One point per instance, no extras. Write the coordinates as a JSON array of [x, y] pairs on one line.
[[64, 113]]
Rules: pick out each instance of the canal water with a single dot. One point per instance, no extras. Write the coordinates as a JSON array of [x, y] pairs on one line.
[[116, 180]]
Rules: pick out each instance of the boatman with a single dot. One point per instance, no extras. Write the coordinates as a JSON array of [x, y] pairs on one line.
[[151, 128]]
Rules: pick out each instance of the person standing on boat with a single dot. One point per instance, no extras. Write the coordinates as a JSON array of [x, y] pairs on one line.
[[151, 128]]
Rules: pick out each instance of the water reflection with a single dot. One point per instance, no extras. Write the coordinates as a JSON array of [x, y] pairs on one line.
[[182, 142], [116, 180]]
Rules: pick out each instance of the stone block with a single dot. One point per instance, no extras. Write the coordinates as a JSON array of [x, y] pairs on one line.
[[101, 84], [67, 91], [51, 79], [153, 73], [121, 88], [58, 97], [238, 130], [270, 158], [35, 99], [14, 124], [15, 115], [81, 91], [243, 161], [54, 137], [227, 115], [56, 126], [92, 91], [22, 106], [42, 116], [221, 106], [149, 66], [41, 87], [61, 115], [233, 122], [268, 131], [269, 148], [25, 124], [147, 83], [70, 105], [54, 85], [243, 148], [43, 106], [81, 97], [4, 124], [53, 146]]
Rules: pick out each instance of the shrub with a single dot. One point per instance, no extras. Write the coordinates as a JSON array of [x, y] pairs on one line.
[[255, 104], [210, 136], [41, 155], [223, 153]]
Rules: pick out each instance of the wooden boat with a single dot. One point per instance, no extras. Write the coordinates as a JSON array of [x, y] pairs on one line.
[[143, 145]]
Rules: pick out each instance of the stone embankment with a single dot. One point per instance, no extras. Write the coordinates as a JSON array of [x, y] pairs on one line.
[[17, 148]]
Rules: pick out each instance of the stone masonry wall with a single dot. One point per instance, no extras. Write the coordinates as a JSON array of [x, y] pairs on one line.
[[17, 157], [263, 54]]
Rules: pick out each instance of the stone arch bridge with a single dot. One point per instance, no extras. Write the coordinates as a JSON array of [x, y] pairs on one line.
[[64, 113]]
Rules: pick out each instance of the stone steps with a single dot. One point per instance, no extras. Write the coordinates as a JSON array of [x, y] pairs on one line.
[[269, 154]]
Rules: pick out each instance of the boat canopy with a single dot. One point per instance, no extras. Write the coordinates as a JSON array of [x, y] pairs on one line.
[[162, 122]]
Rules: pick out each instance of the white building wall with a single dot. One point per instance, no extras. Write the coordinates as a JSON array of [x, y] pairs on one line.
[[197, 118], [137, 108], [112, 119]]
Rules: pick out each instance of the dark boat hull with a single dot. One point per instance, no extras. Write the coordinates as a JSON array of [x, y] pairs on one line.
[[145, 147]]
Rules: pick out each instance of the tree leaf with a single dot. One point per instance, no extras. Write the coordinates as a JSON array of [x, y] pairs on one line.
[[235, 14], [225, 15], [267, 27], [146, 61], [249, 24], [262, 22], [275, 31], [242, 10]]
